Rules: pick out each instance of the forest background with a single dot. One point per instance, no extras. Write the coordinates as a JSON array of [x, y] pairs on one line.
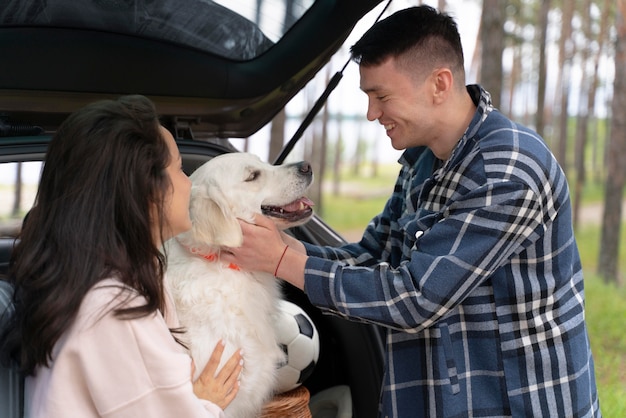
[[557, 66]]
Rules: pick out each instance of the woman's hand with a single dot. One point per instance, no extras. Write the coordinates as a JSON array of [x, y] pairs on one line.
[[219, 387]]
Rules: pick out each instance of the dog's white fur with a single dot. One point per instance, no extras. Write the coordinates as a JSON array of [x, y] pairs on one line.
[[214, 301]]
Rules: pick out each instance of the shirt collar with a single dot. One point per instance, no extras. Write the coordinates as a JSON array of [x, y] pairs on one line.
[[482, 100]]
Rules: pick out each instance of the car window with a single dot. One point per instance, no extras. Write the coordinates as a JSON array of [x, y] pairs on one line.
[[18, 188], [223, 27]]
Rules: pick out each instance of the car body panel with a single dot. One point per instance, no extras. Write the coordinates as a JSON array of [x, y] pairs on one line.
[[225, 97]]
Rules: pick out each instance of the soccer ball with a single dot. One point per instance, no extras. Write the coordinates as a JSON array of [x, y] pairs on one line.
[[297, 336]]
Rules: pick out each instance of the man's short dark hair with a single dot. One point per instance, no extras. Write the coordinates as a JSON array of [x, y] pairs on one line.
[[419, 31]]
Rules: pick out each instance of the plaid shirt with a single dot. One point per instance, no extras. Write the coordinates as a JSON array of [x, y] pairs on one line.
[[473, 269]]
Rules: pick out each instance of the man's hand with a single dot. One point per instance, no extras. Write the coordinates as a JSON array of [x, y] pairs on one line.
[[266, 249]]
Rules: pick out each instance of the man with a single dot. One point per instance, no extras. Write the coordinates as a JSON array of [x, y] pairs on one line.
[[472, 266]]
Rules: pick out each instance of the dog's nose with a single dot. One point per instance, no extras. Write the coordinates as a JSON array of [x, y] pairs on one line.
[[304, 167]]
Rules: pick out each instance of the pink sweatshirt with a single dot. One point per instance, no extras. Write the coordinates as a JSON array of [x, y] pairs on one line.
[[106, 367]]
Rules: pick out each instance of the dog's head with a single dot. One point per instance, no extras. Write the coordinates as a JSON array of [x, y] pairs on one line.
[[238, 185]]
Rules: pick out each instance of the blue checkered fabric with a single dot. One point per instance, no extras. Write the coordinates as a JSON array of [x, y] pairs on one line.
[[473, 269]]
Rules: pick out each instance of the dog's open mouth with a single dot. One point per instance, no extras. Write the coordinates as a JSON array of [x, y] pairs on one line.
[[294, 211]]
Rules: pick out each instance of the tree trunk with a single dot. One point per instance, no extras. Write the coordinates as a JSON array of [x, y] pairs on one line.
[[277, 135], [541, 84], [514, 78], [566, 52], [587, 110], [492, 43], [375, 162], [616, 161], [338, 158], [317, 155], [17, 202], [277, 130], [582, 119], [358, 156], [319, 165], [603, 39], [473, 72]]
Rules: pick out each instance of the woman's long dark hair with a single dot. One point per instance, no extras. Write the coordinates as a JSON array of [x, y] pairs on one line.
[[101, 190]]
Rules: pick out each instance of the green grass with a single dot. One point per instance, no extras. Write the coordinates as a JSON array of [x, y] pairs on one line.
[[359, 211], [361, 197], [606, 311], [588, 239], [606, 315], [350, 212]]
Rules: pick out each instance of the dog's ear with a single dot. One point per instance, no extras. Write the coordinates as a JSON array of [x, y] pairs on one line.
[[213, 220]]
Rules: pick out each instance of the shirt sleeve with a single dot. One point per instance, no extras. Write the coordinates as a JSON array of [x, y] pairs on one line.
[[131, 368], [382, 239], [367, 252], [377, 242], [453, 252]]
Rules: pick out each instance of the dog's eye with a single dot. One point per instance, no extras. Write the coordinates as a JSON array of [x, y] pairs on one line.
[[253, 175]]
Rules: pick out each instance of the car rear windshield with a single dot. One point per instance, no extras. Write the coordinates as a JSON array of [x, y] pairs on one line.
[[236, 29]]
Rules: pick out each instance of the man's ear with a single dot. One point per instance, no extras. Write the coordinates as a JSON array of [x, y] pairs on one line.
[[213, 220], [443, 83]]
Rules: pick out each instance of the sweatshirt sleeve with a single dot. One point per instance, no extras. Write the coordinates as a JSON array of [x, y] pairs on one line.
[[124, 368]]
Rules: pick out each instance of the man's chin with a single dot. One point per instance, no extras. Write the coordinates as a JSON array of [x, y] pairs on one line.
[[397, 145]]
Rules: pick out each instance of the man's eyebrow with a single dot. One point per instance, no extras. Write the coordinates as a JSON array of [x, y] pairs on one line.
[[372, 89]]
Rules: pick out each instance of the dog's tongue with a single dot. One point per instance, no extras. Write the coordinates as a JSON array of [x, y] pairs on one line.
[[297, 205]]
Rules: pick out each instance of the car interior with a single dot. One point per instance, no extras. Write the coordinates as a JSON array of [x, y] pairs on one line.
[[349, 352], [207, 93]]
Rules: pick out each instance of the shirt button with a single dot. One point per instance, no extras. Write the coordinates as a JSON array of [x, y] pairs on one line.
[[418, 234]]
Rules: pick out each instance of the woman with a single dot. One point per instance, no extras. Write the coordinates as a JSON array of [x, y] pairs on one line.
[[95, 330]]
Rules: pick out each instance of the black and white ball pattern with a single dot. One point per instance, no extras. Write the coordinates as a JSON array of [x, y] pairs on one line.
[[298, 337]]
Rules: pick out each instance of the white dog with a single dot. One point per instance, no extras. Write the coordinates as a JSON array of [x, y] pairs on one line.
[[217, 301]]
